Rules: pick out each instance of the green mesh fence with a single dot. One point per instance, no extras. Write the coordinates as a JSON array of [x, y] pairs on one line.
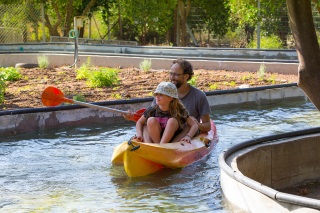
[[19, 23]]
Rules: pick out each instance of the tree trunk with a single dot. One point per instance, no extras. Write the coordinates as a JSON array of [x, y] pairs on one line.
[[304, 34], [67, 24]]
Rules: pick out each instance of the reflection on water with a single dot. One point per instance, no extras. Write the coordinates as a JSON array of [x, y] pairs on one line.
[[69, 170]]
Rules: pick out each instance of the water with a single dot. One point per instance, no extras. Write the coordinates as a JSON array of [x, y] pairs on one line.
[[69, 170]]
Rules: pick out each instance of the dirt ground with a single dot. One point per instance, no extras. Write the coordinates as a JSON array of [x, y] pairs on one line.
[[26, 92]]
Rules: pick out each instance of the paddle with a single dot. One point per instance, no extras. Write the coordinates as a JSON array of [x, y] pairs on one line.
[[52, 96]]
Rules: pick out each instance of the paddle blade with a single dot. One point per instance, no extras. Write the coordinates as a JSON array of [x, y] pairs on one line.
[[52, 96], [136, 116]]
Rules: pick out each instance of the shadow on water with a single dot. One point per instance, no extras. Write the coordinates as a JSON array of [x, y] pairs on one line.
[[69, 169]]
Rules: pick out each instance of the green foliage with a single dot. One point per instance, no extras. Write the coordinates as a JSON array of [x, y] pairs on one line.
[[10, 74], [103, 78], [232, 83], [272, 79], [116, 96], [145, 65], [2, 90], [84, 71], [213, 86], [79, 97], [270, 42], [97, 77], [193, 81], [43, 61], [214, 21], [149, 19], [7, 74]]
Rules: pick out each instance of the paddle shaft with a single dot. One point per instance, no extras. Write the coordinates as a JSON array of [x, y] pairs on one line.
[[99, 107]]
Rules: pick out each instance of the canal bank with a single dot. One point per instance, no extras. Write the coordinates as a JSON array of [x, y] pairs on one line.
[[35, 119]]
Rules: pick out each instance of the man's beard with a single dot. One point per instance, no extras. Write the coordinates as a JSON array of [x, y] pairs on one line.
[[178, 85]]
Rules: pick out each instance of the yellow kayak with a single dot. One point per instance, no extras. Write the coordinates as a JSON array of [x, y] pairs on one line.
[[140, 159]]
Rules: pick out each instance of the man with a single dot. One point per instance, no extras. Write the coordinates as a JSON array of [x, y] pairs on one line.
[[193, 99]]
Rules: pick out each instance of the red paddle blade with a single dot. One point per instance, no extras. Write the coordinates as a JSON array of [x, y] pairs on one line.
[[52, 96], [135, 117]]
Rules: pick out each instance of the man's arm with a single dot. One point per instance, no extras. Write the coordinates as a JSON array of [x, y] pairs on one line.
[[205, 124]]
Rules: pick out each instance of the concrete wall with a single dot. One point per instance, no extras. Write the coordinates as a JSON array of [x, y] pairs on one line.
[[282, 164], [10, 60]]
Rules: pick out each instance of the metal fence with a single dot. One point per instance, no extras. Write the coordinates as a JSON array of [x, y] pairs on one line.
[[24, 23], [18, 23]]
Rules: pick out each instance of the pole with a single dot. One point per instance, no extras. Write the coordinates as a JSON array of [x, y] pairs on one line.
[[43, 23], [258, 28]]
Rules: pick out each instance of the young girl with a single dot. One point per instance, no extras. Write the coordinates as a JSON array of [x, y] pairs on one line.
[[166, 118]]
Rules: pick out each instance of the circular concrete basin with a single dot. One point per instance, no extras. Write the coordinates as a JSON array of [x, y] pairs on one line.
[[255, 174]]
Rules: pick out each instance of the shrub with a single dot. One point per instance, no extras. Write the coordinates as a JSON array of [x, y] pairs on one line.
[[84, 71], [103, 77], [145, 65], [270, 42], [10, 74], [7, 74], [43, 61]]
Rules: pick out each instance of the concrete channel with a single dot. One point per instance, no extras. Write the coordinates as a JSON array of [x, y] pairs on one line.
[[247, 186]]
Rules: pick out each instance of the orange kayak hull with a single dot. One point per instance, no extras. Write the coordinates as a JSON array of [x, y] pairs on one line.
[[140, 159]]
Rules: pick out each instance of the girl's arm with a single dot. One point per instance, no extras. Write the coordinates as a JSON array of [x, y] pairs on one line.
[[139, 128], [193, 129]]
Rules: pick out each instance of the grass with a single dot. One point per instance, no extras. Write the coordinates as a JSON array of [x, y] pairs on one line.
[[261, 72], [145, 65], [43, 61]]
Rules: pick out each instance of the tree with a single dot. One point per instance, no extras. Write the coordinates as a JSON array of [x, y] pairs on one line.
[[273, 17], [209, 16], [59, 11], [149, 17], [307, 46]]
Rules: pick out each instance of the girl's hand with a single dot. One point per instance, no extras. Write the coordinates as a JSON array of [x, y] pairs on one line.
[[128, 115], [138, 138], [187, 139]]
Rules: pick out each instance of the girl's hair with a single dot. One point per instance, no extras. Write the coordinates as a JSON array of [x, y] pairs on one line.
[[178, 111], [185, 65]]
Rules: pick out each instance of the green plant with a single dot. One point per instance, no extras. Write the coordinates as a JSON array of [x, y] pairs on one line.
[[79, 97], [232, 83], [270, 42], [116, 96], [103, 77], [84, 71], [43, 61], [272, 79], [2, 90], [145, 65], [213, 86], [10, 74], [261, 72], [7, 74], [193, 81], [245, 78]]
